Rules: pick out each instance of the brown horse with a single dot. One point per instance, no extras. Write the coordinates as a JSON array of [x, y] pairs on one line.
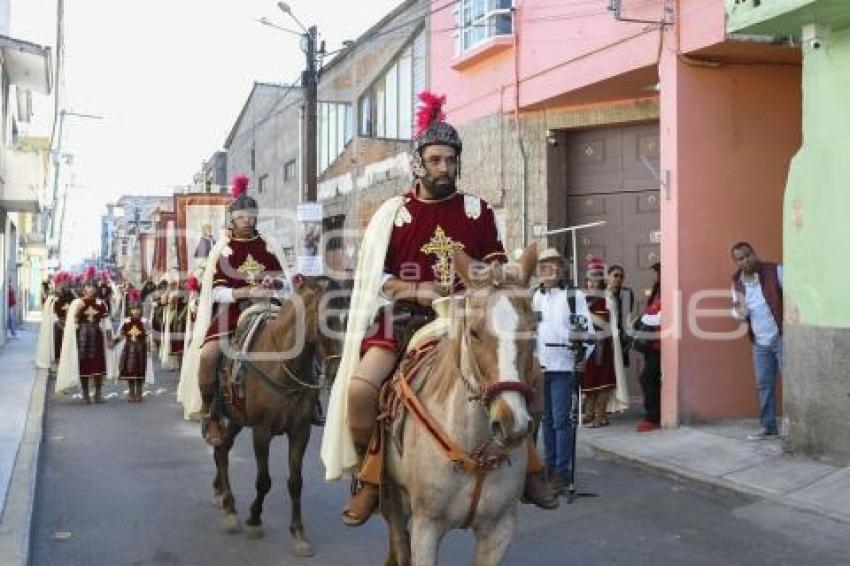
[[281, 390], [458, 457]]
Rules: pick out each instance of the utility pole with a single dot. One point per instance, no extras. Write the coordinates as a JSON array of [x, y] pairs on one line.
[[57, 161], [310, 81]]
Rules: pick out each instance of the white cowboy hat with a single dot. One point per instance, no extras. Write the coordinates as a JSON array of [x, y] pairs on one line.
[[550, 254]]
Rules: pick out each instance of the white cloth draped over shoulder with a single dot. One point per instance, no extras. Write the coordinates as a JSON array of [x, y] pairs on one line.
[[338, 452], [68, 373], [165, 354], [188, 393], [618, 402], [45, 353], [187, 340]]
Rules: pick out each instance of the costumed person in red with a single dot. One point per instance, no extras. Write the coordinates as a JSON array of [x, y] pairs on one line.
[[599, 377], [134, 364], [241, 268], [419, 233], [84, 343]]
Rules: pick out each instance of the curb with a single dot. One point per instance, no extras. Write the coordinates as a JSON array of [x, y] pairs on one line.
[[16, 521], [683, 474]]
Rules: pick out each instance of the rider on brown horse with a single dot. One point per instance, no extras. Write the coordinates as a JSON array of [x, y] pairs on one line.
[[432, 221], [245, 269]]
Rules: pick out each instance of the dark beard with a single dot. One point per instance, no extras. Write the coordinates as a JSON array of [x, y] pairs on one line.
[[439, 190]]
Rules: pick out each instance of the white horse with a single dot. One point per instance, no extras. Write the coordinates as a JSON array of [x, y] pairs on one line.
[[457, 457]]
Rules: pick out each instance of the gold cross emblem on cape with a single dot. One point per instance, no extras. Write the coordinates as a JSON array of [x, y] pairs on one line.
[[90, 312], [443, 247], [251, 268]]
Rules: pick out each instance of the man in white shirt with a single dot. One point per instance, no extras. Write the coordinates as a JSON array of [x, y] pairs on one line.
[[554, 306], [757, 298]]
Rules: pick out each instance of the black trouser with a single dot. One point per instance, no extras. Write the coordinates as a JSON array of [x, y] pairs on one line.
[[650, 382]]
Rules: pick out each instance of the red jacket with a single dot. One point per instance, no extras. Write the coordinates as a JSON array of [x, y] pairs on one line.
[[12, 301]]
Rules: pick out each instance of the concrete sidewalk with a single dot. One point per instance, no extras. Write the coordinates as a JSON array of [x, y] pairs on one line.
[[721, 455], [22, 393]]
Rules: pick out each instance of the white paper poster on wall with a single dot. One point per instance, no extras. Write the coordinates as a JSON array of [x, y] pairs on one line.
[[309, 239]]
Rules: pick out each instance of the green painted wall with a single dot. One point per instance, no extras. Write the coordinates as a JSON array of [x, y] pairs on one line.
[[784, 17], [817, 199]]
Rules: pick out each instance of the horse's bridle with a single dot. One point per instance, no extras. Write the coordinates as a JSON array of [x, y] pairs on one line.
[[492, 390]]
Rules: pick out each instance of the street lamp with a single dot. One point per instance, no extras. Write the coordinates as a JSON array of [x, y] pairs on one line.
[[284, 7], [265, 21]]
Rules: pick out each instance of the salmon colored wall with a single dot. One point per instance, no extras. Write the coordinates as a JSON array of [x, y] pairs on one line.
[[728, 135], [702, 23], [563, 46]]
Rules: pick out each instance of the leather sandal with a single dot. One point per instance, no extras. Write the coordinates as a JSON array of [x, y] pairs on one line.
[[361, 505]]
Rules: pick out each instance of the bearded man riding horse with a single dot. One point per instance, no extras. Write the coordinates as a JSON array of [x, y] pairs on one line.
[[413, 238]]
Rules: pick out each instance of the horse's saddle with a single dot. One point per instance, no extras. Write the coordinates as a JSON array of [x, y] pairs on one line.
[[251, 321]]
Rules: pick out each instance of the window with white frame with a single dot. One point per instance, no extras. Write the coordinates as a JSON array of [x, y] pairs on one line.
[[386, 108], [336, 129], [480, 20]]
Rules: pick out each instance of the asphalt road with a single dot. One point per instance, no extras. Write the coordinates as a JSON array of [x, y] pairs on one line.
[[129, 484]]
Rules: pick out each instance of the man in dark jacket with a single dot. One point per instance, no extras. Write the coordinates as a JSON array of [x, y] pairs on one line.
[[757, 298]]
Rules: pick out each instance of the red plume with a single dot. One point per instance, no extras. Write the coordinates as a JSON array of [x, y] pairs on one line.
[[192, 283], [429, 112], [133, 294], [90, 273], [105, 276], [239, 186]]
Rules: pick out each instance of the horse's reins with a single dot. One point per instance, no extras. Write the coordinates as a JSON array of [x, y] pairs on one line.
[[289, 390], [477, 463]]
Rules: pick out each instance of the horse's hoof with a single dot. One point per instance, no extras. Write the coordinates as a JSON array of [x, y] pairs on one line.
[[254, 532], [303, 548], [230, 524]]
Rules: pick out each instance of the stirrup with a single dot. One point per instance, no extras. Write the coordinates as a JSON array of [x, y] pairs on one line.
[[366, 498]]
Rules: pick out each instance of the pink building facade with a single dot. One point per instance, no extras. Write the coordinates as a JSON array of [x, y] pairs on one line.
[[676, 134]]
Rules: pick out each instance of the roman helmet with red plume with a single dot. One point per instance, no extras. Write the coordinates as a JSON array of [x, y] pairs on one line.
[[595, 268], [432, 129], [90, 276], [192, 284], [241, 201], [133, 297]]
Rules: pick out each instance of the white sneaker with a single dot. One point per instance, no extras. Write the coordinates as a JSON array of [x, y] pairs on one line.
[[763, 434]]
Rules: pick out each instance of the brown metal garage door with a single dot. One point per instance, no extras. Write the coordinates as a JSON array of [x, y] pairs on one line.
[[607, 179]]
